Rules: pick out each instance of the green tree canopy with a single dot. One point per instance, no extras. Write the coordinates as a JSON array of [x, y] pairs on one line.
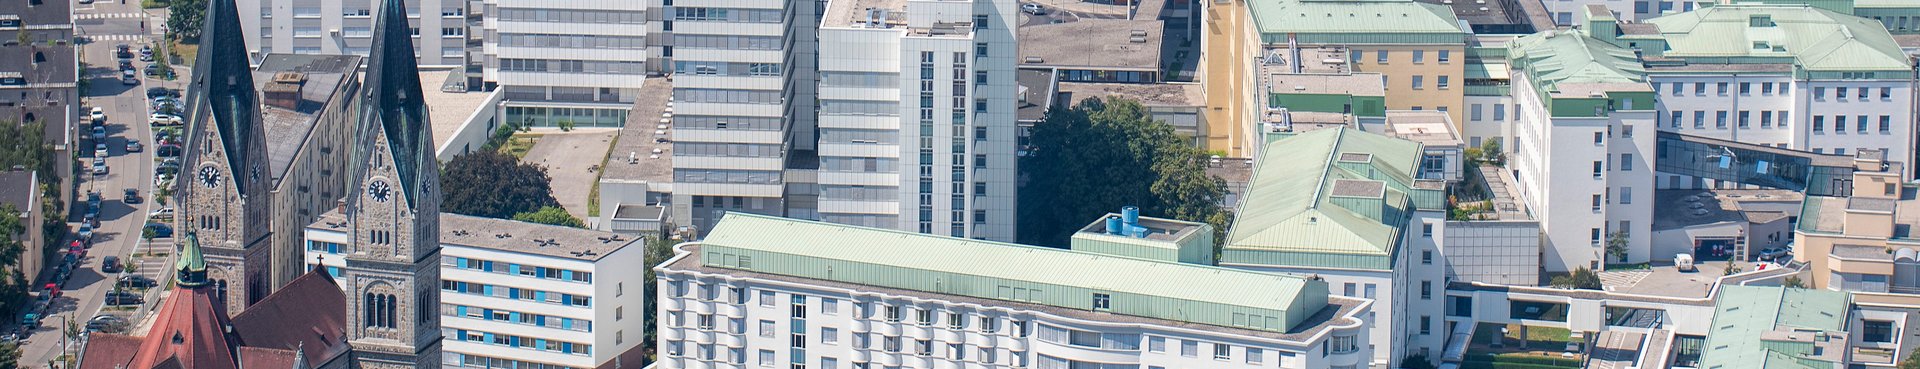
[[1099, 156], [494, 185], [553, 215], [1581, 278], [658, 250], [1912, 361], [184, 18]]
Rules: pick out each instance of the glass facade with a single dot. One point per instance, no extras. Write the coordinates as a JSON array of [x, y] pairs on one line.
[[1748, 164], [552, 116]]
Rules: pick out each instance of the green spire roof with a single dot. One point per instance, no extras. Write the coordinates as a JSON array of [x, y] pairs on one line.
[[394, 102], [222, 94], [192, 265]]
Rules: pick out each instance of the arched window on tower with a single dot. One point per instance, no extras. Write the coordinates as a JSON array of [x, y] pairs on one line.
[[220, 289], [372, 306], [391, 307]]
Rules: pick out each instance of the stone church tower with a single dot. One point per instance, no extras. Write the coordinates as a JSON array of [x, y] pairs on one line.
[[224, 186], [393, 270]]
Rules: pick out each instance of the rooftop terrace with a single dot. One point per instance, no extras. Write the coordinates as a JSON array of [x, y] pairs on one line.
[[1101, 44]]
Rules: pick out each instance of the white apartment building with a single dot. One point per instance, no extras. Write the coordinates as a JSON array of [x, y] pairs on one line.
[[1583, 147], [346, 27], [737, 72], [760, 291], [527, 295], [916, 118], [577, 63]]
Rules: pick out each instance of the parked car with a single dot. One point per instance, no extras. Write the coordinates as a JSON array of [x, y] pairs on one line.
[[129, 79], [117, 298], [160, 230], [146, 58], [162, 213], [99, 133], [1031, 8], [122, 51], [126, 64], [134, 146], [105, 323], [146, 49], [93, 202], [157, 92], [1770, 253], [130, 196], [161, 119], [99, 115], [137, 281], [168, 151], [100, 168], [110, 264], [85, 233]]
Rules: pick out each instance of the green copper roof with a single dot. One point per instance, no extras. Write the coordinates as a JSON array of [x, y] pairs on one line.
[[1742, 313], [191, 266], [1554, 58], [1816, 39], [1294, 214], [1403, 20], [1005, 271], [222, 94]]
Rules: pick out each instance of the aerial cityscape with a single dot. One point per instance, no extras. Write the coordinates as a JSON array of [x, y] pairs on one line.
[[960, 184]]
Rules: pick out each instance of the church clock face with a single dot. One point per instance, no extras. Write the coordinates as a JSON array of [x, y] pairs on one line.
[[209, 177], [379, 191]]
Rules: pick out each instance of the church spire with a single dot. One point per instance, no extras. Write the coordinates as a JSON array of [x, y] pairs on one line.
[[192, 265], [394, 102], [223, 94]]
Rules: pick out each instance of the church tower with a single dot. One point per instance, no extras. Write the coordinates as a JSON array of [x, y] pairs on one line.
[[224, 186], [393, 270]]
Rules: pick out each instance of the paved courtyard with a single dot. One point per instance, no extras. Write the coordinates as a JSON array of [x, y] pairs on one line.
[[572, 160]]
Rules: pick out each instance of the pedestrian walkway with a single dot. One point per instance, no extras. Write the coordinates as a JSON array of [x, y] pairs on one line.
[[1622, 280], [98, 38], [84, 16], [1615, 350]]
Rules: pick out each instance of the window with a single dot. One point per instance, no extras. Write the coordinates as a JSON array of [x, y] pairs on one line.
[[766, 358], [766, 298], [1886, 124], [1446, 56], [1157, 344], [799, 307], [1746, 89], [1699, 119], [923, 316], [1626, 130], [893, 314], [1598, 167], [1419, 56], [1676, 87], [1875, 331], [1720, 119], [829, 336], [1381, 56], [1426, 257], [1426, 230], [1840, 93], [766, 328], [1599, 138], [1819, 94], [1819, 124], [1886, 93], [1443, 85], [1699, 89], [1426, 325], [989, 324], [1594, 237], [1256, 356], [1626, 162], [799, 340], [1102, 301], [1744, 115], [1222, 351], [1344, 344], [1626, 195], [1189, 348], [1426, 290], [1370, 288], [1840, 124], [1766, 89], [829, 306], [1419, 82], [1766, 119], [1721, 88]]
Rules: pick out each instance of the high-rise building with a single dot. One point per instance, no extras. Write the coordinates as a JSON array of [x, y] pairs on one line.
[[561, 288], [346, 27], [1583, 147], [916, 116], [763, 291], [563, 64], [739, 72]]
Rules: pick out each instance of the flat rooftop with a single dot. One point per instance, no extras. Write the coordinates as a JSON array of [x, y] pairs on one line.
[[1036, 93], [1097, 44], [635, 211], [862, 14], [511, 235], [1431, 128], [45, 13], [1681, 208], [1150, 94], [1158, 229], [1827, 214], [448, 110], [1311, 60], [1281, 80], [289, 129], [632, 157]]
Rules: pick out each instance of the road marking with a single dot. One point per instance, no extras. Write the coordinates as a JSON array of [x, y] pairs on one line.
[[108, 15], [115, 37]]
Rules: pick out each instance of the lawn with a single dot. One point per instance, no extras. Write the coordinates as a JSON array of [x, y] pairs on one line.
[[1547, 341], [519, 144]]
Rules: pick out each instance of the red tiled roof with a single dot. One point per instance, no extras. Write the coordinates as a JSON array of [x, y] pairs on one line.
[[190, 329], [108, 351], [257, 357], [309, 314]]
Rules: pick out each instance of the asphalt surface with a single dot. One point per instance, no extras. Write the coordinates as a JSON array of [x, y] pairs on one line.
[[102, 26]]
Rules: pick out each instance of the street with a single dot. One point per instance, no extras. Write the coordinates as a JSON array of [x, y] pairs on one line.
[[101, 26]]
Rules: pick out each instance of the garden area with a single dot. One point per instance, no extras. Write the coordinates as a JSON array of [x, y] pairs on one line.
[[1514, 346]]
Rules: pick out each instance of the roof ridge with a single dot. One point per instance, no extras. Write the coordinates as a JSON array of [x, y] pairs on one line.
[[1333, 153]]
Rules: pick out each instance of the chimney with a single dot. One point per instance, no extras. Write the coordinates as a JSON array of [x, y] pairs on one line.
[[284, 91]]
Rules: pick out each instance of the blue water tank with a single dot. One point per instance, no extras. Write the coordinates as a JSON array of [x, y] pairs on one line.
[[1131, 214], [1113, 226], [1140, 232]]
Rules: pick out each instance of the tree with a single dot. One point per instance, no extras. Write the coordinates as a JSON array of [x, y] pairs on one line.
[[9, 355], [1793, 281], [1912, 361], [1415, 361], [658, 250], [1617, 246], [494, 185], [1581, 278], [553, 215], [1490, 153], [1102, 155], [184, 19]]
